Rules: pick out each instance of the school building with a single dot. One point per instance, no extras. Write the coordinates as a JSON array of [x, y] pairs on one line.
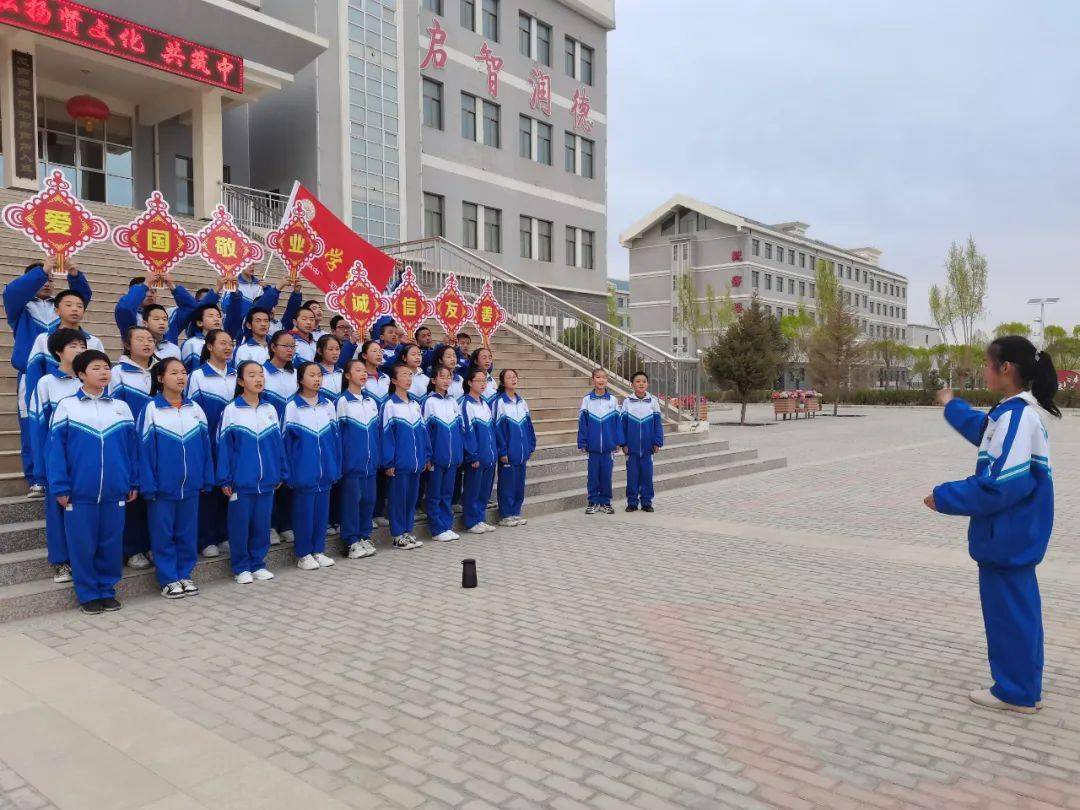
[[685, 241]]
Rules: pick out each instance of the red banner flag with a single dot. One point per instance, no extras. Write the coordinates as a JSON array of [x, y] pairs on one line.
[[344, 247]]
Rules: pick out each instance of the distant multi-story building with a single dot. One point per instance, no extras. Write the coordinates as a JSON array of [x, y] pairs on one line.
[[921, 336], [685, 238], [619, 289]]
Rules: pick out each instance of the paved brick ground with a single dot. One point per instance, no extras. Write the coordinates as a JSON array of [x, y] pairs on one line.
[[797, 639]]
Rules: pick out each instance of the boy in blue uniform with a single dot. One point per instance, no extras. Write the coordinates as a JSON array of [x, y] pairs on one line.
[[92, 460], [599, 435], [643, 436], [1010, 500]]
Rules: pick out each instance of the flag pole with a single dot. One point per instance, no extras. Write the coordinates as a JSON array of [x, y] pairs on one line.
[[284, 216]]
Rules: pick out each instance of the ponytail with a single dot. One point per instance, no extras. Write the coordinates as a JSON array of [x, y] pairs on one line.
[[1034, 368], [157, 374]]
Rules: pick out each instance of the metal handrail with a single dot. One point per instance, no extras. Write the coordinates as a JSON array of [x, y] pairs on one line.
[[560, 326], [253, 209]]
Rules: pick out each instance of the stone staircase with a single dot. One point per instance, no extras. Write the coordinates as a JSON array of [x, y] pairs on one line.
[[552, 385]]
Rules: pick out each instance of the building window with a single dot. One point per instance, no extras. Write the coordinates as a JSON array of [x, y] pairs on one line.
[[791, 257], [185, 186], [768, 281], [526, 232], [802, 289], [491, 124], [468, 117], [802, 260], [668, 226], [544, 232], [488, 133], [768, 250], [492, 228], [96, 160], [536, 239], [535, 140], [813, 289], [468, 14], [488, 237], [586, 157], [434, 205], [755, 247], [534, 38], [525, 136], [571, 58], [791, 286], [434, 5], [579, 61], [491, 20], [469, 230], [755, 279], [579, 155], [433, 113], [586, 64], [865, 275], [571, 248], [543, 143], [579, 247], [587, 239], [779, 284]]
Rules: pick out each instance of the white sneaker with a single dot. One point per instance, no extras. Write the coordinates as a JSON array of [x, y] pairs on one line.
[[477, 528], [307, 563], [508, 521], [369, 547], [189, 586], [243, 578], [62, 573], [443, 537], [986, 699], [333, 531], [403, 541], [454, 535], [36, 491], [275, 538], [174, 590], [263, 574], [224, 547], [211, 551], [356, 551], [381, 521], [138, 562], [520, 521], [287, 536], [323, 560], [488, 527]]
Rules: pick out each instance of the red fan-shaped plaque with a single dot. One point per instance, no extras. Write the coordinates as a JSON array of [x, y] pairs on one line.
[[295, 243], [155, 238], [226, 248], [408, 304], [452, 311], [358, 300], [488, 314]]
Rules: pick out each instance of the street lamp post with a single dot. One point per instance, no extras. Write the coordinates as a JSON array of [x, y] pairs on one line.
[[1042, 302]]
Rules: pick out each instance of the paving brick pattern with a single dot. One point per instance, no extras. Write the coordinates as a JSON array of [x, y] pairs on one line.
[[798, 639], [16, 794]]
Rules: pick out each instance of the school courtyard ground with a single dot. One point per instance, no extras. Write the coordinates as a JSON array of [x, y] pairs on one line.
[[800, 638]]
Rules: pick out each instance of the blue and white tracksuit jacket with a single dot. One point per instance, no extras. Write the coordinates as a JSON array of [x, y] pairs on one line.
[[331, 384], [361, 447], [212, 390], [418, 388], [92, 456], [175, 466], [599, 433], [446, 435], [50, 391], [313, 450], [280, 387], [378, 388], [406, 448], [250, 449], [40, 362], [482, 447], [516, 440], [250, 349], [1010, 502], [128, 313], [390, 356], [131, 384], [305, 347], [642, 430]]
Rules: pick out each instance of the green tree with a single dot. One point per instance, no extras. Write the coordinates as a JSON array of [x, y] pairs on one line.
[[1066, 353], [705, 317], [748, 355], [1052, 332], [924, 366], [796, 331], [834, 348], [890, 354], [1076, 331], [1012, 328], [957, 306]]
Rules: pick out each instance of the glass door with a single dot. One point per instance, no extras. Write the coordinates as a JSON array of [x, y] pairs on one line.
[[95, 158]]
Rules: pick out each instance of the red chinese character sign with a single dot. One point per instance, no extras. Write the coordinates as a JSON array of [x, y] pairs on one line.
[[408, 304], [541, 91], [488, 314], [580, 108], [494, 65], [90, 28], [436, 53], [357, 300], [452, 311], [56, 221], [295, 243], [226, 248], [156, 239]]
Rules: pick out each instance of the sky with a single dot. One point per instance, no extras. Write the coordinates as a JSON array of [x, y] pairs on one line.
[[901, 125]]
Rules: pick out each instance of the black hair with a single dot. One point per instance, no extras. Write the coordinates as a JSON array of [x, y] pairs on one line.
[[383, 328], [201, 310], [470, 373], [440, 352], [474, 362], [240, 375], [199, 293], [211, 337], [394, 369], [60, 296], [335, 321], [461, 335], [125, 339], [256, 311], [62, 338], [637, 374], [435, 373], [403, 350], [345, 369], [320, 347], [419, 329], [597, 370], [300, 369], [502, 378], [151, 308], [1034, 368], [33, 266], [309, 304], [274, 340], [136, 280], [82, 361], [157, 374], [367, 344]]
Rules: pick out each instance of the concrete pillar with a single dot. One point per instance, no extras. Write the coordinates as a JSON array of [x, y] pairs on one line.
[[206, 150], [24, 43]]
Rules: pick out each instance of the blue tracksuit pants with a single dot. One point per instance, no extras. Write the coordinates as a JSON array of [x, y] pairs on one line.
[[136, 529], [55, 533], [1012, 615], [310, 517], [249, 530], [279, 515], [600, 466], [511, 489], [639, 484], [475, 493], [440, 494], [25, 452], [401, 501], [95, 536], [174, 537], [357, 507], [213, 520]]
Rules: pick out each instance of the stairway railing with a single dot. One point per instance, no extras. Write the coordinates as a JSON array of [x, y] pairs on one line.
[[558, 325], [254, 209]]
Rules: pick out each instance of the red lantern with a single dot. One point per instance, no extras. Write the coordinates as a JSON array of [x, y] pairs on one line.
[[88, 109]]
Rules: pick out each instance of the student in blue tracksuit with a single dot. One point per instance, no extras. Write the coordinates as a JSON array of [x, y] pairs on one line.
[[175, 466], [390, 342], [463, 346], [1010, 501], [406, 453], [207, 318], [378, 388], [426, 342], [279, 389], [30, 312], [65, 345], [516, 441], [139, 307], [92, 459], [251, 466], [599, 435], [446, 434], [446, 357], [131, 383], [482, 359], [327, 353], [212, 386], [256, 343], [643, 436], [303, 333], [313, 464], [340, 328], [481, 453], [412, 357], [361, 440]]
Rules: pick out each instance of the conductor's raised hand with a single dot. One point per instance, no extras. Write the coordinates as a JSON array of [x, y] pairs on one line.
[[944, 396], [929, 501]]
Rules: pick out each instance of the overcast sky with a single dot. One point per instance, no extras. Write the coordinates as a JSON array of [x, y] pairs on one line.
[[902, 125]]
